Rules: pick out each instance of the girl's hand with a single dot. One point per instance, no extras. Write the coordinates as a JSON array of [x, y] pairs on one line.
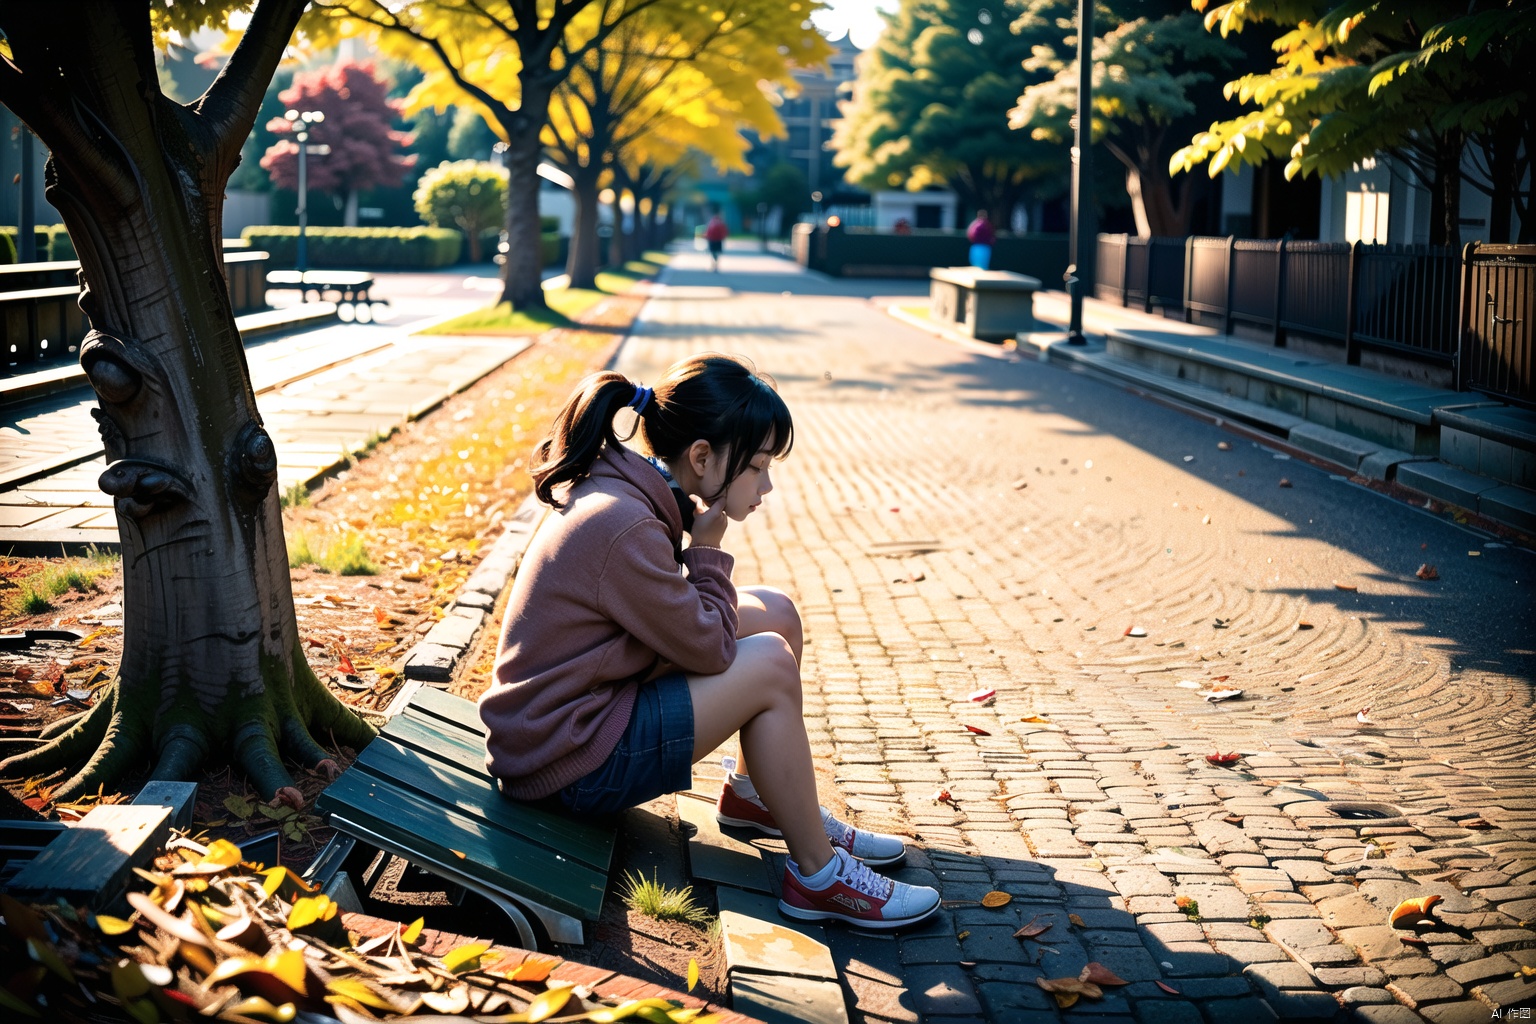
[[709, 525]]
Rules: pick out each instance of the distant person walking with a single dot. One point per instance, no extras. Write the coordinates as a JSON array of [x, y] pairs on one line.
[[981, 237], [715, 233]]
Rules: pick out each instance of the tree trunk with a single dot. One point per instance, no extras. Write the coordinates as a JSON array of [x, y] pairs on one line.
[[581, 261], [616, 238], [522, 281], [1445, 205], [350, 217], [212, 662]]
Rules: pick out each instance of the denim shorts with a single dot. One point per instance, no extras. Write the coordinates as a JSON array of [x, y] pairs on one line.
[[654, 756]]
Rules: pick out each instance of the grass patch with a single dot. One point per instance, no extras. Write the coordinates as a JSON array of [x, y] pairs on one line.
[[651, 898], [921, 312], [36, 593], [295, 496], [345, 556], [565, 304]]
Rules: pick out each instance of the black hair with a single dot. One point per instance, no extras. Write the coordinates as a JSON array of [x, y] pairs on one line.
[[711, 397]]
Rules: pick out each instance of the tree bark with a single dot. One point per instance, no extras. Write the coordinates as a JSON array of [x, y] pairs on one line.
[[522, 282], [581, 262], [212, 663]]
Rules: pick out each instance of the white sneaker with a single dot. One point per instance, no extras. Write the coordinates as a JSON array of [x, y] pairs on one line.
[[876, 849], [858, 896]]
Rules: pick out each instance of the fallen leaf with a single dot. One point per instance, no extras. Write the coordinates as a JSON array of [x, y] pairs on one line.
[[995, 899], [1169, 988], [1070, 986], [1363, 716], [1098, 974], [1223, 759], [413, 931], [1220, 679], [1409, 912], [1036, 719], [1076, 920], [1303, 625], [464, 957], [1019, 485], [379, 615], [112, 925], [345, 663], [1223, 446], [1427, 572], [1030, 930], [978, 730], [942, 796], [1064, 1000], [1344, 586], [1284, 482], [1220, 695], [980, 696], [1135, 631], [963, 936], [1233, 819], [1474, 554], [693, 973]]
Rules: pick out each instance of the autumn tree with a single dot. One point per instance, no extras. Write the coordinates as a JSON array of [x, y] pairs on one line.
[[211, 660], [1153, 74], [364, 148], [466, 194], [930, 106], [675, 77], [1425, 81]]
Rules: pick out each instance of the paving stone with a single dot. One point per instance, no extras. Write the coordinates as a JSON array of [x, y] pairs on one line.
[[456, 629], [1007, 1001], [1306, 871], [1352, 911], [1499, 966], [1140, 881], [992, 943], [942, 989], [1167, 1011], [780, 999], [757, 939], [1251, 952], [1133, 963], [1386, 1015], [1467, 1011], [1363, 996], [1350, 976], [876, 1000], [1431, 989], [1218, 902], [431, 663], [1502, 940], [717, 857], [1299, 934], [1250, 1010], [1498, 994]]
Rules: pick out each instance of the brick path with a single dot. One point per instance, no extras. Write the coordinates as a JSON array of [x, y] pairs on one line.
[[950, 522]]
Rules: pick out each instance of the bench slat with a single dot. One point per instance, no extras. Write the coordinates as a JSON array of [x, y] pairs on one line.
[[423, 768], [461, 712], [498, 857]]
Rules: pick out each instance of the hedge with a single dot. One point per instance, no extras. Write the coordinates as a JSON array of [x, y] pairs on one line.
[[52, 243], [360, 248]]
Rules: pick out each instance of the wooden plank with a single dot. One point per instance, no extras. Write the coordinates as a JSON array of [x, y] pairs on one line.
[[444, 782], [463, 713], [431, 735], [495, 856], [89, 863]]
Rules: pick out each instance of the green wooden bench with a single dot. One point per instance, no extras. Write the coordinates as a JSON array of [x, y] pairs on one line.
[[421, 791]]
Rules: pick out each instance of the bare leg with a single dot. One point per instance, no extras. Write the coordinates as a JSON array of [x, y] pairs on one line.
[[759, 696], [767, 610]]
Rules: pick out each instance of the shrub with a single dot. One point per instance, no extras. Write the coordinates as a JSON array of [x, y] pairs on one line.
[[7, 250], [61, 246], [43, 235], [360, 248], [346, 556], [468, 194]]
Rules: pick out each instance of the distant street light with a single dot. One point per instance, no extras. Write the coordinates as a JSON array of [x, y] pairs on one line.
[[1080, 274], [302, 119]]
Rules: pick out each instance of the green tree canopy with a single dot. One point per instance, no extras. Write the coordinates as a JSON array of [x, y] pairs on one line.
[[1152, 75], [1420, 80], [466, 194], [930, 106]]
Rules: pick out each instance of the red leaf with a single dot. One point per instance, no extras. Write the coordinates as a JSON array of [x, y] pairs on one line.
[[311, 641], [1169, 989], [1224, 759], [978, 730], [345, 663], [1427, 572], [1098, 974], [982, 695], [1031, 929]]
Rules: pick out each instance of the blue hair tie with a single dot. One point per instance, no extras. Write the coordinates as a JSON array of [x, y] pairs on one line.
[[641, 398]]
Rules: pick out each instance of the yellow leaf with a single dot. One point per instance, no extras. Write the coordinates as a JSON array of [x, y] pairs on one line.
[[259, 1007], [309, 910], [412, 933], [113, 925], [607, 1015], [547, 1003], [963, 936], [464, 958], [223, 853], [1036, 719], [995, 899], [693, 973], [356, 991], [1221, 159], [1065, 999]]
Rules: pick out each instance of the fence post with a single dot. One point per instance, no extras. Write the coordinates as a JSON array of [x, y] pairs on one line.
[[1226, 313], [1125, 270], [1352, 305], [1280, 293], [1460, 359], [1189, 269]]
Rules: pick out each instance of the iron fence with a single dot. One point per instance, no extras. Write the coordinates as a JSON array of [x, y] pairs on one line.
[[1498, 308]]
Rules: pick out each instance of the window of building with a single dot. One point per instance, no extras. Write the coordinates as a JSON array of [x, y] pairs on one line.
[[1365, 217]]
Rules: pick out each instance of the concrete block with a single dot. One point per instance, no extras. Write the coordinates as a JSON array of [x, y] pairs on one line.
[[1382, 465], [1323, 411], [716, 857], [1494, 458], [1513, 505], [1459, 448], [1522, 468], [431, 663], [1334, 445], [779, 999], [89, 864], [456, 629], [1445, 482], [476, 599], [180, 797], [758, 940]]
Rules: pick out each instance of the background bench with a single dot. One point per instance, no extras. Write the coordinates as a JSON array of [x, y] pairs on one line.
[[349, 286], [990, 305], [421, 791]]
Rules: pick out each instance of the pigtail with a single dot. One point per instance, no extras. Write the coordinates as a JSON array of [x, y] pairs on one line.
[[579, 431]]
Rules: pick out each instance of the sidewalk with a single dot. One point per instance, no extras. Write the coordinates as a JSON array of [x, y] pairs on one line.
[[951, 522]]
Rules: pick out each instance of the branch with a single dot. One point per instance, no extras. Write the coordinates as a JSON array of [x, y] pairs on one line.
[[230, 105]]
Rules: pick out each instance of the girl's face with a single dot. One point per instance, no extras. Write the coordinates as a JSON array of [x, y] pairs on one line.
[[745, 492]]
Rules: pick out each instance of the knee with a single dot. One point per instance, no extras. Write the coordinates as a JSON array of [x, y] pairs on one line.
[[775, 666], [785, 617]]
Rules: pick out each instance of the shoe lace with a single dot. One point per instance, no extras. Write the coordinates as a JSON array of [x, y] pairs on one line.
[[859, 876], [837, 831]]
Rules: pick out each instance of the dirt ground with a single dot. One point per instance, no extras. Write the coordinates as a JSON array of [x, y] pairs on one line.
[[425, 502]]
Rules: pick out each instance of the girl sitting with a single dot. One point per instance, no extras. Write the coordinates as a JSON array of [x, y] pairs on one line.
[[626, 656]]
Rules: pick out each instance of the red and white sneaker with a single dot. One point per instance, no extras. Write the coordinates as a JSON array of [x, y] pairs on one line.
[[876, 849], [858, 896]]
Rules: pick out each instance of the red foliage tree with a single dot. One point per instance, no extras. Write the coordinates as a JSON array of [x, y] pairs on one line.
[[358, 115]]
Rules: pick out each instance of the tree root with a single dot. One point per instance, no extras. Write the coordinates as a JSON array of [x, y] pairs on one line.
[[80, 736], [121, 749], [181, 753]]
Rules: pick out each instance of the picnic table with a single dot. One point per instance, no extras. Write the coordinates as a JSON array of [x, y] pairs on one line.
[[351, 287], [421, 792]]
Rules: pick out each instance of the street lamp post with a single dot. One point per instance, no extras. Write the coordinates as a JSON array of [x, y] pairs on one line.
[[1080, 274], [302, 120]]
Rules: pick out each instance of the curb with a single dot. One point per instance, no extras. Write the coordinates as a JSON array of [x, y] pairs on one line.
[[437, 654]]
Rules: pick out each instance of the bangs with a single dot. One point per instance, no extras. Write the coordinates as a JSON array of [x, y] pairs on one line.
[[761, 417]]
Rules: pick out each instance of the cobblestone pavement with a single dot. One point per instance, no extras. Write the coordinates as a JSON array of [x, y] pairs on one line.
[[950, 523]]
